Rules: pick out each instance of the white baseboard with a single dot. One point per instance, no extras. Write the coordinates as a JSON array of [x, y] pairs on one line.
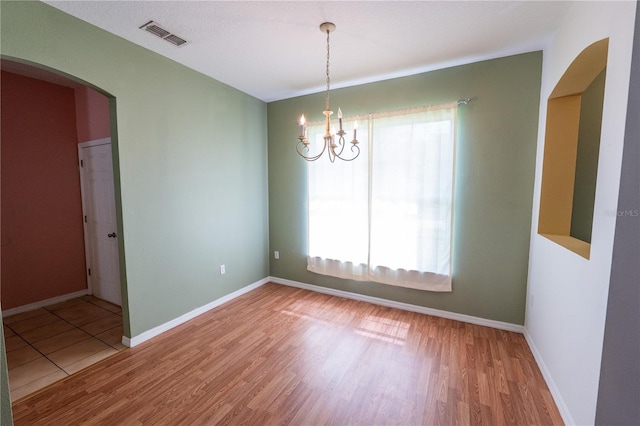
[[143, 337], [404, 306], [42, 303], [551, 384]]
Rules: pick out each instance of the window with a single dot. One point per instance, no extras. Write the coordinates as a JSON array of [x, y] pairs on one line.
[[387, 216]]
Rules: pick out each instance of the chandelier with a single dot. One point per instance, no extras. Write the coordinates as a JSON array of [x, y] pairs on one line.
[[335, 149]]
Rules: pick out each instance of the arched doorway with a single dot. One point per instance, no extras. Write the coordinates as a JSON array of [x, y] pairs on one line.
[[53, 325]]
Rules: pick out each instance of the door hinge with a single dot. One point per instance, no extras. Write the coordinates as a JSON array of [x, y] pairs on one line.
[[81, 163], [89, 269], [85, 218]]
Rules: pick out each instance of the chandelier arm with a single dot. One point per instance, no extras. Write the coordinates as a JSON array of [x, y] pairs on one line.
[[306, 148], [332, 155], [341, 142], [354, 148]]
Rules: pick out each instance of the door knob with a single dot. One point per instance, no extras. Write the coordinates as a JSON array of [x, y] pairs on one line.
[[113, 235]]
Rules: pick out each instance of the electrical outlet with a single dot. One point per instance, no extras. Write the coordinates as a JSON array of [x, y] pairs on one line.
[[222, 270], [276, 254]]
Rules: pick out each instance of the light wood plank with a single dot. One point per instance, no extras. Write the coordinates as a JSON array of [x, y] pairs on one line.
[[279, 355]]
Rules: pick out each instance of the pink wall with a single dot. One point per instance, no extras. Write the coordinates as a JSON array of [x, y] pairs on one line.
[[41, 224], [92, 114]]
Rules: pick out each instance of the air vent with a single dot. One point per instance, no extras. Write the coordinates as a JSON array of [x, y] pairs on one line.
[[172, 38], [158, 31]]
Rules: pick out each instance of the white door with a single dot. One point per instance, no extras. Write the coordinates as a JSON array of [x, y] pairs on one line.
[[99, 209]]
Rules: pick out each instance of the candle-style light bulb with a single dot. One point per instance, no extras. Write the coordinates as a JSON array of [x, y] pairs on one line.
[[302, 121], [340, 117]]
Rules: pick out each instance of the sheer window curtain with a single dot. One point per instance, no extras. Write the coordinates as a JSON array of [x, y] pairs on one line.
[[387, 216]]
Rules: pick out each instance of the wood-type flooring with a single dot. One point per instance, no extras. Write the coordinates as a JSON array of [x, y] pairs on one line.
[[281, 355]]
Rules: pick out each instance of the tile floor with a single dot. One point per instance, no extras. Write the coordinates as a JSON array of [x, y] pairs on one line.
[[48, 344]]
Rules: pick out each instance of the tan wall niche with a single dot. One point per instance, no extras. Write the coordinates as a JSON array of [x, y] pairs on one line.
[[561, 147]]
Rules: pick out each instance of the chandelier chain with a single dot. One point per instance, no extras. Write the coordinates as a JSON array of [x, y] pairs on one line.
[[326, 98]]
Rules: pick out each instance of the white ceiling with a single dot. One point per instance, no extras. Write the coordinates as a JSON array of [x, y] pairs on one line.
[[275, 50]]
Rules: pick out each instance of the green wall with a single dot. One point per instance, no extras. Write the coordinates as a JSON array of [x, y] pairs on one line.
[[191, 163], [495, 162]]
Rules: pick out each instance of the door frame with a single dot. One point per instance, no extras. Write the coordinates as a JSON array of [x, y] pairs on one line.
[[88, 253]]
